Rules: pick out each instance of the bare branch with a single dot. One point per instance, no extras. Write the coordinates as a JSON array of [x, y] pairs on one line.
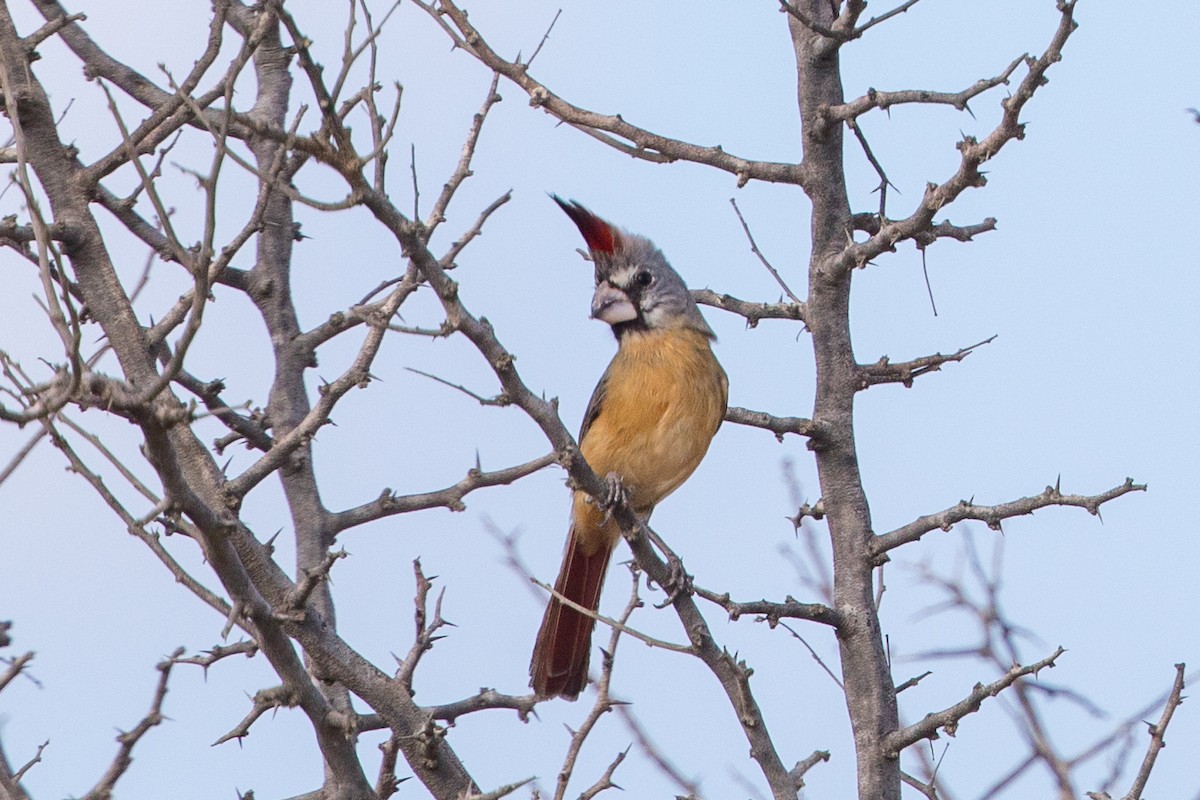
[[485, 700], [753, 312], [884, 183], [642, 143], [21, 454], [974, 154], [777, 425], [264, 700], [310, 579], [128, 740], [873, 99], [456, 247], [873, 21], [605, 780], [949, 718], [883, 371], [499, 400], [810, 23], [754, 249], [219, 652], [496, 794], [1157, 733], [28, 765], [49, 29], [437, 215], [389, 503], [802, 767], [545, 38], [614, 624], [993, 516], [771, 612], [655, 754], [426, 633], [15, 668]]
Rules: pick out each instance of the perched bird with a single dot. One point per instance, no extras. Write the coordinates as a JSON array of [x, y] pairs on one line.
[[648, 425]]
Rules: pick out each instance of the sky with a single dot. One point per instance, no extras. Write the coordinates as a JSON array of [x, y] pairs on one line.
[[1088, 285]]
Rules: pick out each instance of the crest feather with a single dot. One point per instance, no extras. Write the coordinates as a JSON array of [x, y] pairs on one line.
[[600, 236]]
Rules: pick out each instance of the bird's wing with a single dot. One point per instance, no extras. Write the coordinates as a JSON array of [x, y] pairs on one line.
[[593, 406]]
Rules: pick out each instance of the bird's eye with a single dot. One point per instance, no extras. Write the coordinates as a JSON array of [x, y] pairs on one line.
[[644, 278]]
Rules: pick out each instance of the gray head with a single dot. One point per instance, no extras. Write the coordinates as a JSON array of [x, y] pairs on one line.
[[636, 289]]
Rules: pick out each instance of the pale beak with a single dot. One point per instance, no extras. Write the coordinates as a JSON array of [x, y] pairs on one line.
[[611, 305]]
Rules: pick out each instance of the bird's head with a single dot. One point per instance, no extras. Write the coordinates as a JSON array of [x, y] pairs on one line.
[[636, 289]]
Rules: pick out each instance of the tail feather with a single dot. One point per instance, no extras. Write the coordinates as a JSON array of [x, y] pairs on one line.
[[564, 643]]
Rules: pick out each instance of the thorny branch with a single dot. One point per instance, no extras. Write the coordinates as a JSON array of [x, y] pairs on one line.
[[974, 153], [993, 516], [613, 130], [949, 718], [905, 372], [1158, 732], [129, 739]]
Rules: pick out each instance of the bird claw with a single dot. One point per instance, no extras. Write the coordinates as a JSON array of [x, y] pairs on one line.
[[615, 494], [678, 582]]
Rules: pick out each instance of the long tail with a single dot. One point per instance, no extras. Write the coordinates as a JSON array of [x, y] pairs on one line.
[[560, 657]]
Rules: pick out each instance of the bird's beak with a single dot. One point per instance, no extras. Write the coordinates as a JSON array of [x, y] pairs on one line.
[[611, 305]]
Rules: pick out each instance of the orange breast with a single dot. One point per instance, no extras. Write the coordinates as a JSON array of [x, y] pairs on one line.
[[665, 398]]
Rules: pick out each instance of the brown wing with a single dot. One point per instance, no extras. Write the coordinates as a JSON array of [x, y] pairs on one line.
[[593, 406]]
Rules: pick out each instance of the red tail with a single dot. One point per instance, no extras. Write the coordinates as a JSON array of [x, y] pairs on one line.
[[564, 644]]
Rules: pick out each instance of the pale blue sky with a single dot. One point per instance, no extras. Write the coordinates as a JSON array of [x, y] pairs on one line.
[[1089, 284]]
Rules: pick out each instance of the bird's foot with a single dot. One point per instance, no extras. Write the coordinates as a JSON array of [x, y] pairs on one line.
[[678, 582], [615, 494]]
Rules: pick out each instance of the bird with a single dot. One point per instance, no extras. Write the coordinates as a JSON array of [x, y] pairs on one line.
[[647, 426]]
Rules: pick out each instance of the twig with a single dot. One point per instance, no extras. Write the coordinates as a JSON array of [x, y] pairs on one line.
[[545, 38], [616, 625], [21, 454], [884, 371], [264, 700], [802, 767], [777, 425], [1157, 733], [218, 652], [900, 9], [426, 628], [499, 400], [884, 100], [884, 183], [950, 717], [104, 789], [753, 312], [754, 249], [28, 765], [604, 701], [437, 215], [310, 579], [15, 668], [974, 152], [815, 656], [389, 503], [605, 780], [652, 751], [770, 612], [456, 247]]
